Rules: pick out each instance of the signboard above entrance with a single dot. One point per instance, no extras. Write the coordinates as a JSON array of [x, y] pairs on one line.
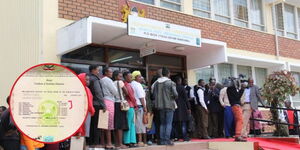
[[163, 31]]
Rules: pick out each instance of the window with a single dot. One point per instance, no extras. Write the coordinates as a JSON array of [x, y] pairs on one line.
[[240, 13], [299, 20], [222, 10], [162, 60], [260, 76], [89, 53], [290, 22], [78, 68], [286, 20], [201, 8], [147, 1], [171, 4], [296, 98], [116, 56], [224, 71], [205, 73], [257, 15], [244, 70], [279, 19]]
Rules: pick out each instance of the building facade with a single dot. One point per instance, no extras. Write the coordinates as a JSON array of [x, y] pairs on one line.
[[253, 37]]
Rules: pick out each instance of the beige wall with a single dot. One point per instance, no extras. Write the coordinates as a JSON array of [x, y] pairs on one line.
[[27, 37], [20, 31], [51, 23]]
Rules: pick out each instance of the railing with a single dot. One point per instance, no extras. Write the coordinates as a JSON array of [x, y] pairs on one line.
[[276, 122]]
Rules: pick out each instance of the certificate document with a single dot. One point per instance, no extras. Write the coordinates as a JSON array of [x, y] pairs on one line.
[[48, 103]]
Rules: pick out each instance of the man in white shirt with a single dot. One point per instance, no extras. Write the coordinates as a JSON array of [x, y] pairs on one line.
[[201, 110], [139, 95]]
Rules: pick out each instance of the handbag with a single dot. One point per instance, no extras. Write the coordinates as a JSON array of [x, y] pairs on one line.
[[124, 104], [145, 118]]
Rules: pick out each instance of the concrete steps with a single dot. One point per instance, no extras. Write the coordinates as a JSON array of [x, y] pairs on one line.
[[177, 146]]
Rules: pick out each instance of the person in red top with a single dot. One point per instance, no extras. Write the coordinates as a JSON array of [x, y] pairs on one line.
[[129, 137], [291, 117], [84, 130]]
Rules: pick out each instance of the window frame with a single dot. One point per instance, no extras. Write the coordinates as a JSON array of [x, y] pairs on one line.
[[263, 25], [180, 4], [210, 14], [283, 32]]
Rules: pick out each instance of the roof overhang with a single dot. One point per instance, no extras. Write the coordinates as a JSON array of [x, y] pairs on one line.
[[252, 61], [294, 67], [108, 32]]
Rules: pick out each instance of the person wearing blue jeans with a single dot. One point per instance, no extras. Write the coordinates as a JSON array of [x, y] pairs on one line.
[[164, 91], [166, 120], [228, 122], [228, 114]]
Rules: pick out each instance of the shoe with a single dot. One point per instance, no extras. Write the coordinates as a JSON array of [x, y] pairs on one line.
[[149, 143], [187, 139], [141, 144], [161, 143], [206, 137], [170, 143], [240, 139]]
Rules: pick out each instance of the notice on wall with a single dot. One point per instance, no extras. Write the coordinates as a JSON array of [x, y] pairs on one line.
[[48, 103]]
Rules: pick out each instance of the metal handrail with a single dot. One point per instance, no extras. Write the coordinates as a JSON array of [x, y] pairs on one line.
[[276, 122]]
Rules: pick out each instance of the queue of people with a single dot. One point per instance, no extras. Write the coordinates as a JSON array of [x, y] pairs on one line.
[[166, 111]]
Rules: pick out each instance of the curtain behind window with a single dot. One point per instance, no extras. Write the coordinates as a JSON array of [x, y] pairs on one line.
[[170, 5], [260, 75], [289, 18], [240, 9], [244, 70], [205, 73], [256, 12], [224, 71], [147, 1]]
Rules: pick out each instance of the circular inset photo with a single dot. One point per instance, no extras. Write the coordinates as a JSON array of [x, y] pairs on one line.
[[48, 103]]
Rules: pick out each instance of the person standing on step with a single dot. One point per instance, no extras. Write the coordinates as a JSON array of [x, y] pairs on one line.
[[110, 93], [98, 103], [228, 114], [201, 111], [129, 137], [120, 117], [164, 90], [234, 94], [140, 96], [181, 113], [251, 99], [214, 108]]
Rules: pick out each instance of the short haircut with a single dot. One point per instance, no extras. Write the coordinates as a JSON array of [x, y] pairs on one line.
[[3, 108], [93, 67], [177, 79], [200, 80], [125, 74], [104, 70], [165, 71], [212, 78], [115, 74]]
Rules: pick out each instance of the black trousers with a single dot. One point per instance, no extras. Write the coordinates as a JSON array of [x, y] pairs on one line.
[[156, 120], [221, 123], [10, 144], [213, 124], [94, 138]]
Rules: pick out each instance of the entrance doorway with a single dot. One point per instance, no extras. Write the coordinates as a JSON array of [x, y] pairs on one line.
[[124, 59]]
